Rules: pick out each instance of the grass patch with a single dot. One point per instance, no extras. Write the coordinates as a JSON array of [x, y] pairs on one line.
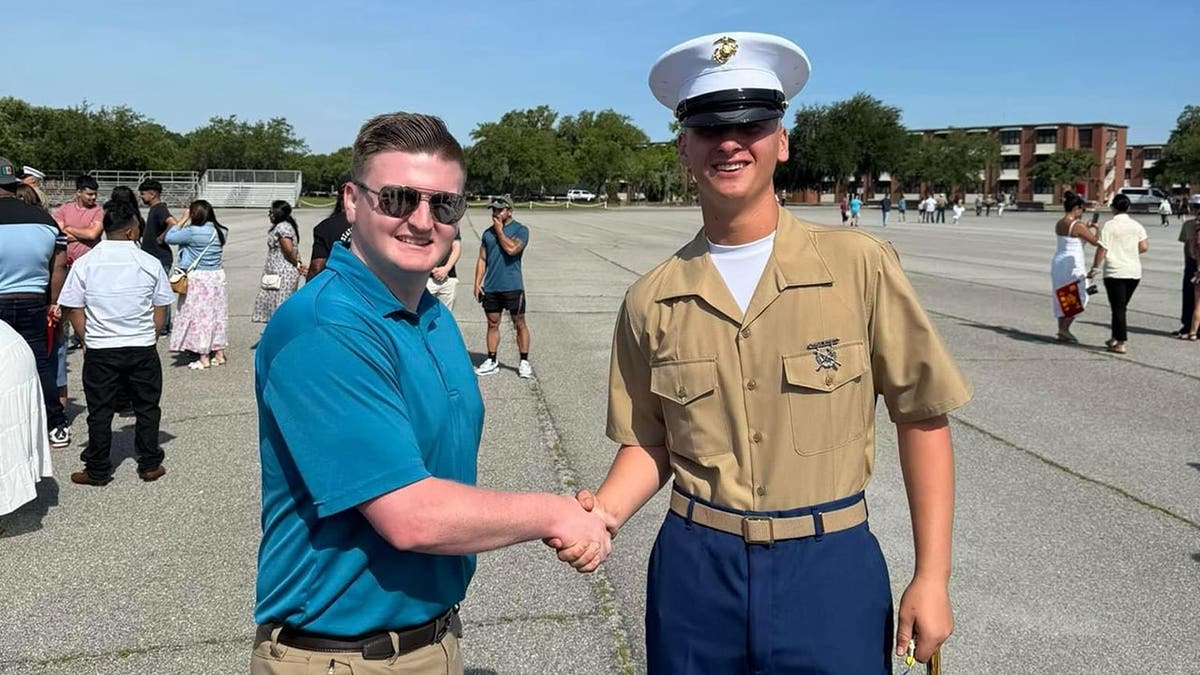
[[316, 202]]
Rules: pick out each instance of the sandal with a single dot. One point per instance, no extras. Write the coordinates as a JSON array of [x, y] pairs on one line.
[[1067, 338], [217, 362], [1117, 348], [1192, 337], [196, 365]]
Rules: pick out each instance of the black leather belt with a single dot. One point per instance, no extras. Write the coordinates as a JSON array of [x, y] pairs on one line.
[[377, 646]]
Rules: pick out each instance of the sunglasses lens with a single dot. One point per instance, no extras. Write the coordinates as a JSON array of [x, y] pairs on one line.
[[398, 201], [447, 207]]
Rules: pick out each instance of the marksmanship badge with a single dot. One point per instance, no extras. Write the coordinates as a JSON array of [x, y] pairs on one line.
[[825, 353], [726, 47]]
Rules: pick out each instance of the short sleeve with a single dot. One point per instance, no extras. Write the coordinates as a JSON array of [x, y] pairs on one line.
[[369, 448], [163, 295], [912, 369], [72, 294], [285, 231], [522, 233], [320, 247], [634, 412], [1142, 236]]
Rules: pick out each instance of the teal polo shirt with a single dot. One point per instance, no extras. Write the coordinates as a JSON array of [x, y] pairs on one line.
[[357, 396]]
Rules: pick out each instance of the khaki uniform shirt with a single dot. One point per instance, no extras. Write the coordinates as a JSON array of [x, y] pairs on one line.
[[750, 419]]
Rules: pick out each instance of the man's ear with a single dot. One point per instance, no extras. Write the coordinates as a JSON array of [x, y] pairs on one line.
[[784, 147], [348, 201]]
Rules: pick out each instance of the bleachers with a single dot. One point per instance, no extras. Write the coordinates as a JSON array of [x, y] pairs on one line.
[[179, 187], [249, 189]]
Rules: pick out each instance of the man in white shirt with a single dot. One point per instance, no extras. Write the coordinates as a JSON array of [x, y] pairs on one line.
[[116, 298]]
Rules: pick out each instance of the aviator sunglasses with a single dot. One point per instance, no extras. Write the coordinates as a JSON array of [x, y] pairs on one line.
[[399, 201]]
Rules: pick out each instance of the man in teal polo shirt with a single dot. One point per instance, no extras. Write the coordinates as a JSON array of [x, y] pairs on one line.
[[370, 516]]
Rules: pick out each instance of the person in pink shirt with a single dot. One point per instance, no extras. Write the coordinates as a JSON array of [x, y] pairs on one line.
[[81, 220]]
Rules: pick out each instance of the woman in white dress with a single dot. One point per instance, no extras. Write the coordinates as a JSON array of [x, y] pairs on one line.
[[1069, 263], [24, 445]]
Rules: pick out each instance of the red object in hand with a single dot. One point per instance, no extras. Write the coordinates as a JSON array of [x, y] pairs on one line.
[[49, 333]]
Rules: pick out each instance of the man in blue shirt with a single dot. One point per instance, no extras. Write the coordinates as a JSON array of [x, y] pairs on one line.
[[499, 286], [33, 266], [370, 523], [855, 208]]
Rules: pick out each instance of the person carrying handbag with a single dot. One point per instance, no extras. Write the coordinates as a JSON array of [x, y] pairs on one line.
[[202, 318], [283, 268]]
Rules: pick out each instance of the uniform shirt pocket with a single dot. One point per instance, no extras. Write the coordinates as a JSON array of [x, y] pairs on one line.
[[828, 406], [692, 411]]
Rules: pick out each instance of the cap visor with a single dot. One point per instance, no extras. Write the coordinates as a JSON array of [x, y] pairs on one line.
[[730, 117]]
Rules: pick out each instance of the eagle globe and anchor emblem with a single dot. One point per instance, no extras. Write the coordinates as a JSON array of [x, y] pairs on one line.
[[725, 48]]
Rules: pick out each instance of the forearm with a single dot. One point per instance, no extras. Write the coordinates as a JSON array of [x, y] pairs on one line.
[[314, 267], [75, 316], [89, 233], [635, 476], [160, 319], [927, 461], [479, 268], [443, 517], [1099, 259], [58, 275]]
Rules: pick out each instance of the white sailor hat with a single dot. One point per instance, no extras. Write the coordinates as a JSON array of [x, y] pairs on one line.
[[27, 171], [729, 78]]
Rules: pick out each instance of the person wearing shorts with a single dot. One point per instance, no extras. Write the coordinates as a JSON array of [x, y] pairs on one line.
[[499, 286]]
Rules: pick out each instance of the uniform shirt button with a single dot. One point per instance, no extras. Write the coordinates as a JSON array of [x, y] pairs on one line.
[[828, 379], [745, 332], [760, 491], [757, 437], [752, 385], [681, 393]]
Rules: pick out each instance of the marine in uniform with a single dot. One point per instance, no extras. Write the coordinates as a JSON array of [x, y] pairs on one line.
[[748, 366]]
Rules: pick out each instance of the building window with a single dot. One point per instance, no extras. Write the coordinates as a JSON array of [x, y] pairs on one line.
[[1047, 136], [1010, 137], [1042, 187], [1128, 175], [1085, 138], [1010, 163], [1152, 154], [1128, 154]]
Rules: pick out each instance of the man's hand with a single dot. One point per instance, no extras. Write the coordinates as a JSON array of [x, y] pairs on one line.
[[924, 613], [440, 274], [497, 223], [54, 314], [581, 538], [478, 293]]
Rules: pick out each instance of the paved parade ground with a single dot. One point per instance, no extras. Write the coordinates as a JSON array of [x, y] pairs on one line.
[[1077, 537]]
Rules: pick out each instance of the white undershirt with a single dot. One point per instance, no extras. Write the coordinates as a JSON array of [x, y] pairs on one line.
[[741, 266]]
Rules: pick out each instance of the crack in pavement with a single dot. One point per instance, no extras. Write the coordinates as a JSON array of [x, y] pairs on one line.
[[126, 652]]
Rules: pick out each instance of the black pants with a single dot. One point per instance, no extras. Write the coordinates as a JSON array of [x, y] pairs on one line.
[[106, 372], [1189, 293], [1119, 291], [941, 214], [28, 317]]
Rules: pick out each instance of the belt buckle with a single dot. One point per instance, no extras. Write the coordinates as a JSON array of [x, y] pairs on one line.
[[752, 530]]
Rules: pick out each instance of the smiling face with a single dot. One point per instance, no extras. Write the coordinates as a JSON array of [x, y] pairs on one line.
[[406, 248], [735, 162]]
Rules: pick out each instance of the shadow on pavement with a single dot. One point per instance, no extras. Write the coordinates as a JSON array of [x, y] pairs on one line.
[[28, 518]]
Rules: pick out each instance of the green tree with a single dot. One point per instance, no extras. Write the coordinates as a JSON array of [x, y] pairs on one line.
[[603, 147], [1064, 167], [808, 165], [230, 143], [1180, 161], [656, 172], [522, 153]]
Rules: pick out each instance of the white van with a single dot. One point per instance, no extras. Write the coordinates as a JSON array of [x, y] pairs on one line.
[[580, 195], [1143, 195]]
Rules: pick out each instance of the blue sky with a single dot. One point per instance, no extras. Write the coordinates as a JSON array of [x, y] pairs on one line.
[[329, 66]]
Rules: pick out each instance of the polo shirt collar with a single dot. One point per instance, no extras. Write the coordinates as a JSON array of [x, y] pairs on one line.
[[363, 280]]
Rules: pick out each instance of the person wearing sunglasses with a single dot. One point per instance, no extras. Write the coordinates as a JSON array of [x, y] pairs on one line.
[[370, 525], [499, 285]]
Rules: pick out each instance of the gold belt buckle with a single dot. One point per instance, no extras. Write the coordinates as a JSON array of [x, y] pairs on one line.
[[758, 530]]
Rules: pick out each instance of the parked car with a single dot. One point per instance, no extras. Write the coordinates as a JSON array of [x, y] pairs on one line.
[[1150, 196], [580, 196]]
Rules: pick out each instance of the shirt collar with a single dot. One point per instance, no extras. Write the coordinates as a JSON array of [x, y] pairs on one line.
[[795, 261], [372, 289]]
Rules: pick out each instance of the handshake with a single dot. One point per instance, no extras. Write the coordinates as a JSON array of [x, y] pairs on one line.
[[584, 531]]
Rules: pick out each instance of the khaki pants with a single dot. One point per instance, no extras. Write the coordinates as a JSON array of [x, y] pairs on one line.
[[443, 291], [272, 658]]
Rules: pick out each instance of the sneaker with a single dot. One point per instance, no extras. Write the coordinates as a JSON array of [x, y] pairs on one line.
[[488, 367], [525, 370], [60, 437]]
